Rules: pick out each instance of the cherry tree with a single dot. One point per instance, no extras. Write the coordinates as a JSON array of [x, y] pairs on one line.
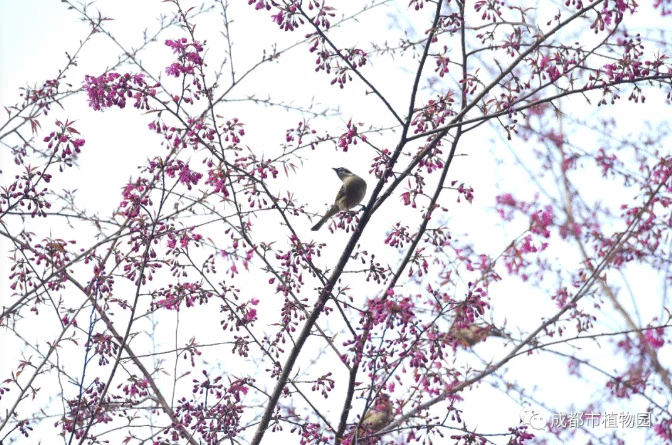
[[505, 279]]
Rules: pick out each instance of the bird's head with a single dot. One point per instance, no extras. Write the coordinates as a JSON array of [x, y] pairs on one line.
[[342, 172]]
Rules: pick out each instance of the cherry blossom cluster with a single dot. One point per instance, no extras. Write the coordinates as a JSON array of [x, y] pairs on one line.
[[188, 54], [351, 136], [114, 89]]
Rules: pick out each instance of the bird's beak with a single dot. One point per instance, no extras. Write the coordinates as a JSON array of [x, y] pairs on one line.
[[335, 169]]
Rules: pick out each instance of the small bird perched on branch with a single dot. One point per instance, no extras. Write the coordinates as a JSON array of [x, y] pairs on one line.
[[473, 333], [377, 417], [351, 193]]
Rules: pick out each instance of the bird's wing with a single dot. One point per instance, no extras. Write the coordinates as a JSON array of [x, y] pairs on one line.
[[341, 194]]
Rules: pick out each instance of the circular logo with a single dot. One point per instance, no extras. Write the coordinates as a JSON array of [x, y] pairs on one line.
[[532, 418]]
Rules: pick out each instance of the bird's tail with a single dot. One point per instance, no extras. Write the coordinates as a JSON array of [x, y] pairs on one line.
[[332, 211]]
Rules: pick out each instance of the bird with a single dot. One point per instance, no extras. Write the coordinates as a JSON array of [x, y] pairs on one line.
[[377, 417], [351, 193], [473, 333]]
